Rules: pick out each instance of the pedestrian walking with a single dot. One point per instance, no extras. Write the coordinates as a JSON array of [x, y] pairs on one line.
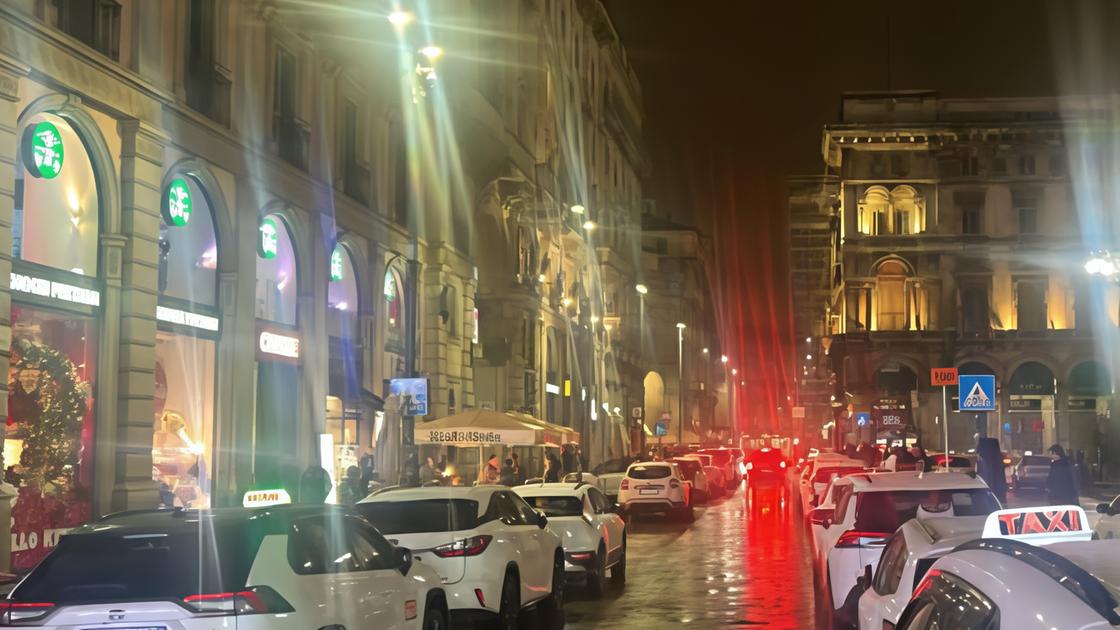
[[1061, 484], [518, 473], [551, 469], [989, 466], [507, 476]]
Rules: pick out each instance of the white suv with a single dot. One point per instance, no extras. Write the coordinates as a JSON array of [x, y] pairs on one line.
[[594, 534], [288, 566], [869, 508], [492, 550], [655, 487]]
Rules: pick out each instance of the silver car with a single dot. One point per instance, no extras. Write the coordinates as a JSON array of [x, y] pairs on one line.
[[1030, 472]]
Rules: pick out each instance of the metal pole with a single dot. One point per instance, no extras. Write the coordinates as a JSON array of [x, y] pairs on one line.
[[945, 420], [410, 466], [680, 385], [641, 358]]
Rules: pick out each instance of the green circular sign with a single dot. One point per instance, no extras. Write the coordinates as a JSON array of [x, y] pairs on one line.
[[42, 150], [268, 238], [176, 207], [336, 264]]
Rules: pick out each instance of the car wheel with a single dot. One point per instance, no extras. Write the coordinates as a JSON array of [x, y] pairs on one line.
[[597, 576], [618, 571], [510, 606], [551, 608], [435, 616]]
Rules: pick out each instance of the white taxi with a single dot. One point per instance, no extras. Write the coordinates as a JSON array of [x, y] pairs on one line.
[[1108, 523], [1007, 580], [816, 477], [908, 554], [594, 534], [655, 487], [870, 508]]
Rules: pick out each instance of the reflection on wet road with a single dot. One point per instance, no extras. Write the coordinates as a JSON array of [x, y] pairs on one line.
[[745, 562]]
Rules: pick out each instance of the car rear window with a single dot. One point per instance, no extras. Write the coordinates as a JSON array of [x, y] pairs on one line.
[[102, 568], [688, 466], [649, 472], [556, 506], [885, 511], [824, 475], [613, 466], [420, 517]]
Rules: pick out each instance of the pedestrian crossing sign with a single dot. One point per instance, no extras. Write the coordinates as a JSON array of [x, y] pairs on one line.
[[977, 392]]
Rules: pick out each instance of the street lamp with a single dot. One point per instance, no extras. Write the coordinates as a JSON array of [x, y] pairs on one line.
[[578, 209], [399, 19], [589, 225], [723, 359], [431, 52], [680, 382], [1101, 263], [641, 288]]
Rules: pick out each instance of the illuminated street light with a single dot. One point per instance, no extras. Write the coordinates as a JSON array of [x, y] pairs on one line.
[[723, 359], [589, 225], [734, 371], [742, 383], [431, 52], [808, 340], [681, 325], [641, 288], [1102, 264], [594, 319], [400, 19], [808, 357], [566, 301], [578, 209], [705, 351]]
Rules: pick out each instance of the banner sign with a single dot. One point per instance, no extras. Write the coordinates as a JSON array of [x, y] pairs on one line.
[[891, 414], [482, 437], [943, 377], [1024, 404]]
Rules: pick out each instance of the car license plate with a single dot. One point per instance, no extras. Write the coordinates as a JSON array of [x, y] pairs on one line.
[[649, 491]]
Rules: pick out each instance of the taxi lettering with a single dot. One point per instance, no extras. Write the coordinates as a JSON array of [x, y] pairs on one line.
[[1040, 522]]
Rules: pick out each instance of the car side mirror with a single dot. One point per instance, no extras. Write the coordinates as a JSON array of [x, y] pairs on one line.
[[821, 516], [404, 560], [542, 520], [864, 581], [1102, 508]]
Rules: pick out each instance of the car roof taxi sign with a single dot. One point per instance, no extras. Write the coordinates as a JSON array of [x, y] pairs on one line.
[[266, 498], [1039, 525]]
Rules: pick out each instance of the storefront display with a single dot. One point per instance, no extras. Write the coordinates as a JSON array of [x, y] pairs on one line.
[[48, 445], [182, 444]]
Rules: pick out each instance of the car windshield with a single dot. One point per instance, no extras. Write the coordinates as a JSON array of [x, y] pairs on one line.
[[647, 471], [422, 516], [556, 506], [140, 566], [885, 511]]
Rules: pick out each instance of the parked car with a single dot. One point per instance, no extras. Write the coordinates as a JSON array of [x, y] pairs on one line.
[[717, 484], [610, 474], [870, 508], [725, 460], [655, 487], [285, 566], [594, 534], [693, 472], [765, 465], [1030, 472], [819, 474], [492, 550]]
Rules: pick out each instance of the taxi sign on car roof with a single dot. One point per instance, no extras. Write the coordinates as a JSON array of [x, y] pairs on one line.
[[1039, 525], [265, 498]]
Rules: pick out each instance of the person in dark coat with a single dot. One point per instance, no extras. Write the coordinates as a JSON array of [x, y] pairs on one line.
[[507, 476], [1061, 484], [551, 469], [990, 466]]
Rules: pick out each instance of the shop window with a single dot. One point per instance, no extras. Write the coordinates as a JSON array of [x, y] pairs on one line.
[[57, 208], [277, 288], [394, 310], [342, 294], [183, 437], [48, 445], [188, 247]]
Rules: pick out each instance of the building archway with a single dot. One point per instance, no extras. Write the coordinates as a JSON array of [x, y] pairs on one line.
[[1030, 424]]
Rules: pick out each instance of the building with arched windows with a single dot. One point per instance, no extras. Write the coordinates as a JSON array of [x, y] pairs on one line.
[[954, 233]]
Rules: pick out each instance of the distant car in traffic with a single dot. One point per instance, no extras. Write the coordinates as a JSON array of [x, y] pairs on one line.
[[594, 534], [273, 568], [693, 472], [1030, 472], [657, 487], [725, 459], [494, 553], [610, 474], [714, 475], [766, 465], [870, 508]]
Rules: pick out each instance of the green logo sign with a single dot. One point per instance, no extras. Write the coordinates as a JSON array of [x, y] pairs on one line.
[[42, 150], [176, 207], [268, 241], [336, 264]]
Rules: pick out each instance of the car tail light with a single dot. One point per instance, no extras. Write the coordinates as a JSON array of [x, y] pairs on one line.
[[782, 463], [855, 538], [584, 555], [673, 483], [410, 609], [927, 581], [12, 612], [1006, 461], [463, 548], [251, 601], [625, 485]]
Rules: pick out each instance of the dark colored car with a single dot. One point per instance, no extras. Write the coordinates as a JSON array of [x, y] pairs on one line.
[[1030, 472], [766, 465]]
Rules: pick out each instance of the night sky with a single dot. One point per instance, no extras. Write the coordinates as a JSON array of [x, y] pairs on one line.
[[736, 94]]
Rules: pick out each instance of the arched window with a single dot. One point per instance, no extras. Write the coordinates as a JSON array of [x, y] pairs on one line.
[[57, 208], [277, 284], [891, 294], [901, 211], [908, 212], [394, 310], [874, 211], [188, 247], [342, 292]]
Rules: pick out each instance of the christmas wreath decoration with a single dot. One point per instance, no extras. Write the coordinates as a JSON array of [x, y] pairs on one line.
[[51, 443]]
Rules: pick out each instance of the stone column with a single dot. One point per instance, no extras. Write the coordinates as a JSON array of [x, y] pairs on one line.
[[141, 175], [10, 74]]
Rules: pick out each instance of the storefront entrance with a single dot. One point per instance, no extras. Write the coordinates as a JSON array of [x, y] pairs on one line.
[[275, 462]]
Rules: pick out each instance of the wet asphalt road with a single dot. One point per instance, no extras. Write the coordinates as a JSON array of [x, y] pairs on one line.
[[744, 562]]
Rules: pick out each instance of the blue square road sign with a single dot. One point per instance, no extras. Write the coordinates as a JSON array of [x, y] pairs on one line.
[[977, 392]]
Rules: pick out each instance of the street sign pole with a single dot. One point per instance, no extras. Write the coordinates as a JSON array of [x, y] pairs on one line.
[[945, 377], [945, 421]]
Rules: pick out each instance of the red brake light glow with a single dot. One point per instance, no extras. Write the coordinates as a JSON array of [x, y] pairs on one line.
[[463, 548], [241, 602], [927, 581], [581, 556], [410, 609], [625, 485], [854, 538], [11, 612]]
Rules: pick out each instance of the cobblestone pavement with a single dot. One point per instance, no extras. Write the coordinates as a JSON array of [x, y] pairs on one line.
[[745, 562]]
